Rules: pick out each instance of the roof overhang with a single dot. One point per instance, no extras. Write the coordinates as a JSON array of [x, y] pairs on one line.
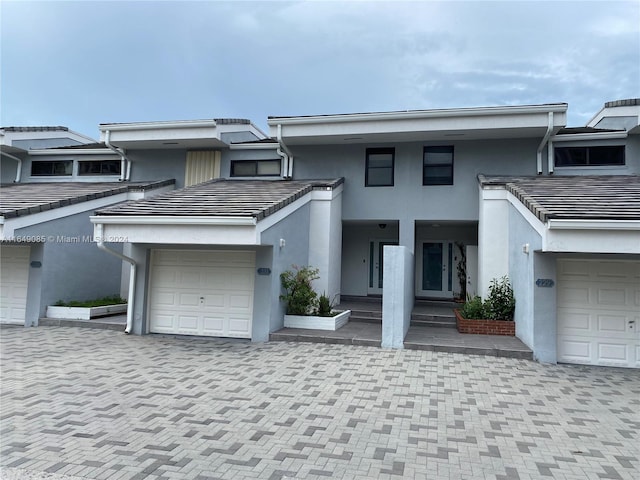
[[572, 137], [72, 151], [197, 230], [183, 134], [576, 235], [421, 125]]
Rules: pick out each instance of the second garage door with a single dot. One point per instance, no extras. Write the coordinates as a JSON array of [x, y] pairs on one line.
[[206, 293], [14, 278], [598, 312]]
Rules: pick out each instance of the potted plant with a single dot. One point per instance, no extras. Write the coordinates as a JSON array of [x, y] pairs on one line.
[[304, 308], [87, 309], [494, 316]]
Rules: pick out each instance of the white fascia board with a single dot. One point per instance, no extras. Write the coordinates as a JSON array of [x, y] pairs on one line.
[[589, 136], [73, 151], [185, 234], [592, 241], [419, 114], [577, 224], [13, 224], [118, 127], [171, 220], [253, 146]]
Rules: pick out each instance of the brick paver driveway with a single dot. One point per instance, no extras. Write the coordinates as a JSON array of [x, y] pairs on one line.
[[100, 404]]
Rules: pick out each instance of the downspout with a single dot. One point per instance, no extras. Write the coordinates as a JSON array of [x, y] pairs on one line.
[[132, 274], [543, 143], [125, 163], [286, 155], [19, 170], [551, 159]]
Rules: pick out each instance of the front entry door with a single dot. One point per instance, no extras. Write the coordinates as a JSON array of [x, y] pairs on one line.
[[375, 265], [435, 277]]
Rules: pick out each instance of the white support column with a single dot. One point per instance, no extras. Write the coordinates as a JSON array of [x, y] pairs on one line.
[[407, 234], [493, 237], [325, 240], [397, 295]]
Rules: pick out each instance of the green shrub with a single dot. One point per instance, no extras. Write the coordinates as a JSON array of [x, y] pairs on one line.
[[500, 303], [324, 306], [473, 309], [299, 295], [98, 302]]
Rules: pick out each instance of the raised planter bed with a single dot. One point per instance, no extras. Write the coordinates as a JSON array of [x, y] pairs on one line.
[[84, 313], [313, 322], [485, 327]]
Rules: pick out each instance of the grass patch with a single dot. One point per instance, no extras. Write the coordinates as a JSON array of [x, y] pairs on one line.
[[98, 302]]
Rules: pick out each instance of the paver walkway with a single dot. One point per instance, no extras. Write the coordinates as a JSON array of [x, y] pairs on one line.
[[100, 404]]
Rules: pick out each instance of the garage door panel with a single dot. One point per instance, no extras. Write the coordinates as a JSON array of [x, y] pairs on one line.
[[576, 349], [213, 288], [213, 325], [599, 327], [613, 354], [164, 322], [612, 324]]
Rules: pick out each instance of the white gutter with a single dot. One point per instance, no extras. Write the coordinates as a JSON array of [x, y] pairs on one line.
[[132, 275], [590, 136], [412, 114], [157, 125], [578, 224], [125, 163], [171, 220], [544, 142], [71, 151], [19, 170], [253, 146], [286, 155]]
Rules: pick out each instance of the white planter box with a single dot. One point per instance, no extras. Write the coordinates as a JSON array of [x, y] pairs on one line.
[[317, 323], [84, 313]]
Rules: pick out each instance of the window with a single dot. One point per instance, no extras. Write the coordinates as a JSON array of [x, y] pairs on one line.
[[99, 167], [437, 165], [379, 170], [59, 167], [589, 156], [255, 168]]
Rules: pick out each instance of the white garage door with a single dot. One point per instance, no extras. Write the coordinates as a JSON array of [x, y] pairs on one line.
[[202, 292], [14, 277], [599, 312]]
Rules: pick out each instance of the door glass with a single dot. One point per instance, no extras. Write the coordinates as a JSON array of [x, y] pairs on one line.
[[432, 266]]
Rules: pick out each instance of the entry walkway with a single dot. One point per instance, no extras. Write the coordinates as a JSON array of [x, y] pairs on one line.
[[433, 328], [436, 339]]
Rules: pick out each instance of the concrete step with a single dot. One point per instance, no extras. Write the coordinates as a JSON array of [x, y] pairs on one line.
[[104, 323], [435, 322]]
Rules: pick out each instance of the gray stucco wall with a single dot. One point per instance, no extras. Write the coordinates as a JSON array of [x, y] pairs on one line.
[[294, 229], [158, 165], [521, 272], [409, 200], [8, 169], [73, 268]]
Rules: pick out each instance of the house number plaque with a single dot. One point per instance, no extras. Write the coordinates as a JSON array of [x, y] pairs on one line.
[[545, 282]]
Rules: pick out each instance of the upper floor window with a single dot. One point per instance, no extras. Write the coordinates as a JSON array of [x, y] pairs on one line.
[[379, 169], [52, 168], [99, 167], [255, 168], [437, 165], [589, 156]]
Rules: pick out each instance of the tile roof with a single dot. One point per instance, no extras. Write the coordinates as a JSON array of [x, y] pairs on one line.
[[20, 199], [35, 129], [588, 197], [223, 198]]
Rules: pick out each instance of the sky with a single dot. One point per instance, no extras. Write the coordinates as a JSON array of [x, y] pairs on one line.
[[82, 63]]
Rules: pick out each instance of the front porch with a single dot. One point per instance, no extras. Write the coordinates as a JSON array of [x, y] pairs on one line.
[[432, 328]]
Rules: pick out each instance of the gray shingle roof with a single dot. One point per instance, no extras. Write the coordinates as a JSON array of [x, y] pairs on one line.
[[223, 198], [588, 197], [20, 199], [35, 129]]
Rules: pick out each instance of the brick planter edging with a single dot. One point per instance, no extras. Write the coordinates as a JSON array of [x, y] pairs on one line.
[[485, 327]]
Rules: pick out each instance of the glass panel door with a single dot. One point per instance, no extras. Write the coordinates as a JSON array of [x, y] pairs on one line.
[[376, 265], [435, 275]]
